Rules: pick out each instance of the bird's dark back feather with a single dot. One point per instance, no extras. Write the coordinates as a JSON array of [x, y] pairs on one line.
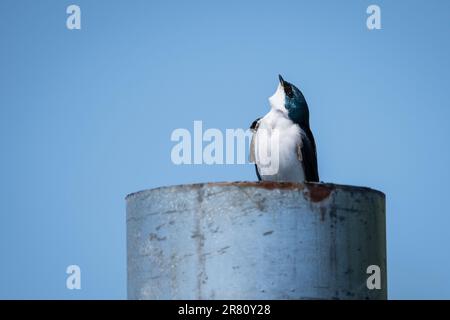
[[254, 127], [309, 155]]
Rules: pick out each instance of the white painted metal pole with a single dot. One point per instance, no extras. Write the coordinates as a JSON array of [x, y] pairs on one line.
[[249, 240]]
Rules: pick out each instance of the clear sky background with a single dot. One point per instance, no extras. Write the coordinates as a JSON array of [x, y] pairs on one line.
[[86, 117]]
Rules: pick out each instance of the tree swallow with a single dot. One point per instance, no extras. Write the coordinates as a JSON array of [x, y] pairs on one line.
[[282, 146]]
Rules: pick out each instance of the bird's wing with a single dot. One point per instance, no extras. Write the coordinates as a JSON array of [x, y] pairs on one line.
[[309, 157], [254, 128]]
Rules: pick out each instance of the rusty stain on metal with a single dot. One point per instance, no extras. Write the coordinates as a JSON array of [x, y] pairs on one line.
[[269, 185], [318, 192]]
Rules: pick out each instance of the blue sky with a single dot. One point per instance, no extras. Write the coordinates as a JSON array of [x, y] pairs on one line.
[[86, 117]]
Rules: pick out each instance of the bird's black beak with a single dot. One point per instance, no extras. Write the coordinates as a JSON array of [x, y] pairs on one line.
[[281, 80]]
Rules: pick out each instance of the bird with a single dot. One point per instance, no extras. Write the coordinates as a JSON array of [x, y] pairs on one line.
[[282, 145]]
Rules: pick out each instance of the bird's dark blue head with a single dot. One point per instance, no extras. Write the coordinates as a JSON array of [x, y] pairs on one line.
[[292, 99]]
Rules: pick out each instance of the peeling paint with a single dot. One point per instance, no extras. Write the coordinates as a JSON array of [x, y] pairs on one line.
[[154, 236]]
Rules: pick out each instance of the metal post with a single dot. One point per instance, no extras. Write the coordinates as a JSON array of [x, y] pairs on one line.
[[249, 240]]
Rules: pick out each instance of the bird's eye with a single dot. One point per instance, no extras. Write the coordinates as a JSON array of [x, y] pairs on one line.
[[288, 90]]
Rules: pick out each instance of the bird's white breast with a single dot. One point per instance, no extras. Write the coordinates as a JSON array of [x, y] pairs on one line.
[[277, 143]]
